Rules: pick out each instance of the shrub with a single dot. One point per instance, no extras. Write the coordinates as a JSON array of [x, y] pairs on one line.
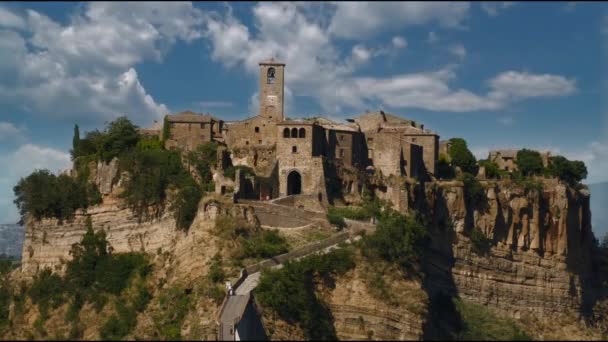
[[529, 162], [185, 203], [203, 159], [335, 219], [290, 291], [397, 239], [444, 169], [47, 290], [120, 135], [481, 324], [149, 143], [474, 192], [480, 244], [264, 244], [461, 156], [216, 273], [174, 304], [492, 170]]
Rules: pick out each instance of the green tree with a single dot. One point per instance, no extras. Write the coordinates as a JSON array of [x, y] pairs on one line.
[[492, 170], [121, 135], [529, 162], [569, 171], [473, 190], [444, 169], [461, 156], [75, 143]]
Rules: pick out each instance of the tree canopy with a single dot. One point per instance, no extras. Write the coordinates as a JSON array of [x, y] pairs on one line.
[[529, 162], [461, 156], [569, 171]]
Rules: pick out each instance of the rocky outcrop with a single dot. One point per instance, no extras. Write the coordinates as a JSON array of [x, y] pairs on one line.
[[541, 243]]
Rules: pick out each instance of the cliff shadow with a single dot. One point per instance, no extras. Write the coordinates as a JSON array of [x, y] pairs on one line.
[[442, 321]]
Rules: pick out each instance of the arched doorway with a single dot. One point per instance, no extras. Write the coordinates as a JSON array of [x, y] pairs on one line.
[[294, 183]]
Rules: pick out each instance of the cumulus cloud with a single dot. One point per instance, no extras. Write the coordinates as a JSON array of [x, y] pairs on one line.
[[399, 42], [362, 19], [511, 85], [492, 8], [458, 50], [88, 64], [20, 163], [10, 19], [9, 131], [316, 68]]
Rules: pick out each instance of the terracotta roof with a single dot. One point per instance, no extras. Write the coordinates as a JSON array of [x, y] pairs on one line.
[[189, 116]]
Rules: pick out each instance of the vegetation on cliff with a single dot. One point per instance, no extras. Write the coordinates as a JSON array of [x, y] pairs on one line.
[[290, 291], [44, 195], [481, 324]]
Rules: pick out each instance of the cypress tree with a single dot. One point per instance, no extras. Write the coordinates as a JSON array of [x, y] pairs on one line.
[[76, 141]]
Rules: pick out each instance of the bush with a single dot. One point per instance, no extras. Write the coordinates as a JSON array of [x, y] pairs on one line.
[[474, 192], [264, 244], [290, 291], [492, 170], [47, 290], [216, 272], [571, 172], [398, 239], [185, 203], [529, 162], [335, 219], [480, 244], [481, 324], [461, 156], [174, 304], [203, 159], [444, 169]]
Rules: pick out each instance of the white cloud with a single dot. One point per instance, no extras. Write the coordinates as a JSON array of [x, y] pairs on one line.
[[21, 163], [362, 19], [316, 68], [513, 85], [432, 37], [458, 50], [88, 64], [399, 42], [10, 19], [9, 131], [492, 8]]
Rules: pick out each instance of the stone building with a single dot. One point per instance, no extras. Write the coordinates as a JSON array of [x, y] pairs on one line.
[[292, 157], [507, 159], [188, 130]]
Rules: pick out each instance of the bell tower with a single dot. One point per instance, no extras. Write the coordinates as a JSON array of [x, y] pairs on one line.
[[271, 89]]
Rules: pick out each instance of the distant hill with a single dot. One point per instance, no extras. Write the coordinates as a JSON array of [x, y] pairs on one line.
[[11, 239], [599, 206]]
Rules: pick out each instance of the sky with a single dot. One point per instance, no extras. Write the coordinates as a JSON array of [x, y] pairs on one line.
[[498, 74]]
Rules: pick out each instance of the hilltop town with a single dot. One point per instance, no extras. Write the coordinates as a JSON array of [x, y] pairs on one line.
[[282, 229]]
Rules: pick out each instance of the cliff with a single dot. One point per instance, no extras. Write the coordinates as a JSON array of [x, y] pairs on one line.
[[539, 263]]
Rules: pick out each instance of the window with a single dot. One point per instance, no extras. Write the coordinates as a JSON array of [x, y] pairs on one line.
[[370, 140], [259, 141], [257, 129], [302, 133], [413, 139], [341, 153], [294, 132], [286, 133], [270, 76], [203, 126], [341, 137], [247, 142], [294, 149]]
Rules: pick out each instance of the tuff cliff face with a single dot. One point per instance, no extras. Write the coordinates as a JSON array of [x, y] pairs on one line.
[[539, 262], [541, 243]]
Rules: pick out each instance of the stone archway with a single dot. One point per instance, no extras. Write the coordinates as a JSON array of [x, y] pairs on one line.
[[294, 183]]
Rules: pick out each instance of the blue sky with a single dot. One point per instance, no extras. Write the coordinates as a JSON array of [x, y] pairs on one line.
[[498, 74]]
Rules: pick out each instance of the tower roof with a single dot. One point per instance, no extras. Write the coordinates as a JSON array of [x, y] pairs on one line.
[[271, 61]]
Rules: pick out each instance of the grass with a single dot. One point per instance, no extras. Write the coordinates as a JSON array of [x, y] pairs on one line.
[[481, 324]]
